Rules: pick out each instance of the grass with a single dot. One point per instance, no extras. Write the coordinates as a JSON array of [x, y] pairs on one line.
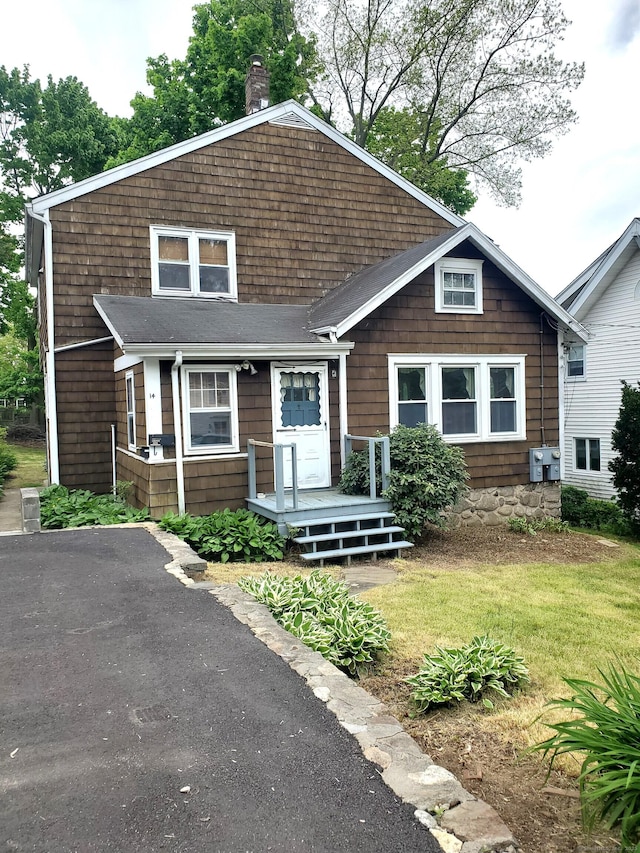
[[30, 470], [566, 620]]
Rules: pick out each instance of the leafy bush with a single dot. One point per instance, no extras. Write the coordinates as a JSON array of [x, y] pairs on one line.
[[579, 510], [8, 459], [62, 507], [228, 536], [532, 526], [427, 476], [25, 432], [467, 673], [604, 725], [320, 611], [625, 439]]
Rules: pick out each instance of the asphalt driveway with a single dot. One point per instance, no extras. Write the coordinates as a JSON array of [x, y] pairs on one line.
[[138, 715]]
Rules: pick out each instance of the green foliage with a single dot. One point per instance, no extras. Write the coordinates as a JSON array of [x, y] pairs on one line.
[[603, 723], [625, 439], [228, 536], [427, 476], [579, 510], [20, 373], [467, 673], [532, 526], [62, 507], [8, 459], [320, 611]]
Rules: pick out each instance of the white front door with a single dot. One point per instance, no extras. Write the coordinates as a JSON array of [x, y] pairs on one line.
[[301, 417]]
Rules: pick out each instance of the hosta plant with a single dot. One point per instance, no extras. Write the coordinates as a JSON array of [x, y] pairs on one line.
[[467, 673], [319, 610], [62, 507], [228, 536], [603, 725]]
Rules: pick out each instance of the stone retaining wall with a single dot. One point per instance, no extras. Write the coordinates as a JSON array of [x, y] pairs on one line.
[[497, 506]]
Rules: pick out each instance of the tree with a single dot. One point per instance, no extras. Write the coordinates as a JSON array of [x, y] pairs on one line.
[[477, 79], [20, 374], [625, 439], [206, 89]]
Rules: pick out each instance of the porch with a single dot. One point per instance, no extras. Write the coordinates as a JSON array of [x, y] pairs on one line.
[[328, 524]]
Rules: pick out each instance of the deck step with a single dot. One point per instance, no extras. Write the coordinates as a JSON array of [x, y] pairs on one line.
[[348, 534], [356, 551], [318, 521]]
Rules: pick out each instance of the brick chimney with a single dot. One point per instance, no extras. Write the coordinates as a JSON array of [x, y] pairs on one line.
[[256, 86]]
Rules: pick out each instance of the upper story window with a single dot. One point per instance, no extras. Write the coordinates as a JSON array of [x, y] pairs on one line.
[[193, 263], [575, 361], [458, 285], [479, 398]]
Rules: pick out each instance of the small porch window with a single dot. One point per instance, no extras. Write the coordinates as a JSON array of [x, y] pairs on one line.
[[131, 410], [211, 412]]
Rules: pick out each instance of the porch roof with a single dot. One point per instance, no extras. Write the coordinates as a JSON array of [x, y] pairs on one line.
[[171, 321]]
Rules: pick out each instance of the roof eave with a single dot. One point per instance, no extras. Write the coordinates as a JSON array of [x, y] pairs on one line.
[[258, 352]]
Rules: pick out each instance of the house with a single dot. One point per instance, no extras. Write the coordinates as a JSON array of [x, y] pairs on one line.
[[270, 282], [605, 299]]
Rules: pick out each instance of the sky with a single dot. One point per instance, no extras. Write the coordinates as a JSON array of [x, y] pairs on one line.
[[575, 202]]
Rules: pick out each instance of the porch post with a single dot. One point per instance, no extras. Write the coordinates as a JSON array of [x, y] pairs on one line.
[[342, 405]]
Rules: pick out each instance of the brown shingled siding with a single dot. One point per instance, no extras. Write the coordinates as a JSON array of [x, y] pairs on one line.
[[407, 323]]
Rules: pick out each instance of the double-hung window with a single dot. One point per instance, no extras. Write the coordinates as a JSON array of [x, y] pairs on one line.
[[193, 263], [210, 409], [458, 285], [575, 361], [481, 398], [587, 454]]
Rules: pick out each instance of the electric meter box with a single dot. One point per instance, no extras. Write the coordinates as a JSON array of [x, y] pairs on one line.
[[544, 464]]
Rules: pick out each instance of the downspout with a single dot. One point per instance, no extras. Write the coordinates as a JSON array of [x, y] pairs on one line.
[[177, 428], [344, 415], [542, 433], [561, 401], [50, 359]]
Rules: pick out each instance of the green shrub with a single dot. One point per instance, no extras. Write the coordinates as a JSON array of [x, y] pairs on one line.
[[604, 725], [427, 476], [532, 526], [320, 611], [62, 507], [467, 673], [228, 536], [8, 459], [579, 510]]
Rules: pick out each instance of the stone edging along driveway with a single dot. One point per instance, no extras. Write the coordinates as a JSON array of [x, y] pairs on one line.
[[459, 821]]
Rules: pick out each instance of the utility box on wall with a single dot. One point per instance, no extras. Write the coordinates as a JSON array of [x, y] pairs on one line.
[[544, 464]]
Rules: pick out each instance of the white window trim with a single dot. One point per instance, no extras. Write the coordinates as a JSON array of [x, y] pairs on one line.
[[583, 375], [193, 235], [217, 449], [432, 364], [588, 471], [131, 412], [462, 265]]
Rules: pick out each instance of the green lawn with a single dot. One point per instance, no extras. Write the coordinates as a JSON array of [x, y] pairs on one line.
[[566, 620], [30, 470]]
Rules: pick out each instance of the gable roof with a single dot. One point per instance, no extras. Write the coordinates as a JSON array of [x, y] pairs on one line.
[[344, 306], [581, 294], [289, 114]]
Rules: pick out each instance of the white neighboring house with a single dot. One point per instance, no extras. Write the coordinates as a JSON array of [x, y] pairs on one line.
[[605, 298]]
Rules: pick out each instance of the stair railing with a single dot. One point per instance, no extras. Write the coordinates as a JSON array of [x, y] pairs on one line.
[[385, 459], [278, 471]]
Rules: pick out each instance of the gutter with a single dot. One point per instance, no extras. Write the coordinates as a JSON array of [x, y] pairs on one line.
[[177, 429], [51, 405]]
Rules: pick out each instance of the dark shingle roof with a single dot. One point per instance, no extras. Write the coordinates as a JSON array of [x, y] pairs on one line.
[[340, 303], [143, 320]]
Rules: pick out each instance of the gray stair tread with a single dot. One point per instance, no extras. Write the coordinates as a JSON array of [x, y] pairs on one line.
[[316, 521], [348, 534], [364, 549]]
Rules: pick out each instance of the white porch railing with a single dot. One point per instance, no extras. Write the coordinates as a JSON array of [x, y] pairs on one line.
[[278, 471], [385, 459]]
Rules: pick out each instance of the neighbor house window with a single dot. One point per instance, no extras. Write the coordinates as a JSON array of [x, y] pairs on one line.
[[575, 361], [131, 410], [458, 285], [211, 412], [587, 454], [467, 399], [193, 263]]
